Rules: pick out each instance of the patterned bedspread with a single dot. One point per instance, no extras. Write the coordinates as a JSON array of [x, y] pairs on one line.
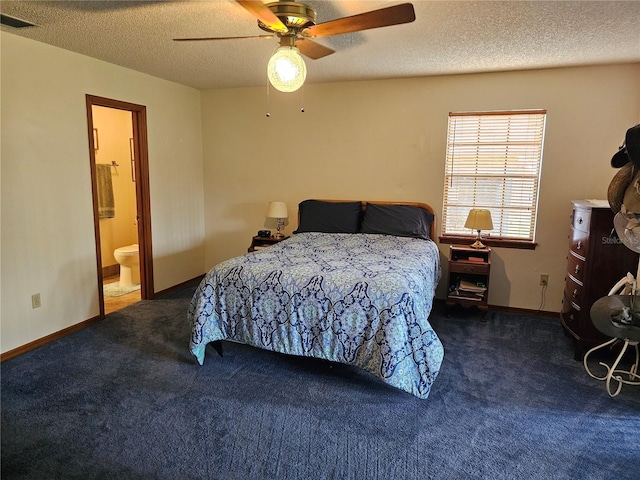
[[357, 299]]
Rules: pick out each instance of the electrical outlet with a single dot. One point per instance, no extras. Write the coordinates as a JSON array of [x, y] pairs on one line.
[[35, 301], [544, 279]]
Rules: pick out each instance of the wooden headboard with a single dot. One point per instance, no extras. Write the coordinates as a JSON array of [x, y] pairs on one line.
[[363, 203]]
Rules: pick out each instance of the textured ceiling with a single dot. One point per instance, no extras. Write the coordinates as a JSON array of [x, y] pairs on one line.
[[448, 37]]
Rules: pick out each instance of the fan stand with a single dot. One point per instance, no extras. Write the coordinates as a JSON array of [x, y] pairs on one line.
[[627, 284]]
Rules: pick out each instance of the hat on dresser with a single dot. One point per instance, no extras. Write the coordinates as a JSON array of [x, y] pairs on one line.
[[630, 150], [619, 183]]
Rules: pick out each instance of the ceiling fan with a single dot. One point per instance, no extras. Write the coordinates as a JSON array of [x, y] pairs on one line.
[[294, 23]]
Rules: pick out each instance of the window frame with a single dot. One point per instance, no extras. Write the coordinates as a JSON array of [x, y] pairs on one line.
[[493, 241]]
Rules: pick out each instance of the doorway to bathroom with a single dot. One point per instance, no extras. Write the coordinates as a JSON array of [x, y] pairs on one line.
[[121, 204]]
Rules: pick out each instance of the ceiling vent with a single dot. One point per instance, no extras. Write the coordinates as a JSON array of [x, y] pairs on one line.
[[14, 22]]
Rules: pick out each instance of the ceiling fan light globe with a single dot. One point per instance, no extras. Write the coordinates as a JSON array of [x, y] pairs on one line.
[[286, 69]]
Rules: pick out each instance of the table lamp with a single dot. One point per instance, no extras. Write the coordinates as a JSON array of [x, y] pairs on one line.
[[278, 210], [479, 219]]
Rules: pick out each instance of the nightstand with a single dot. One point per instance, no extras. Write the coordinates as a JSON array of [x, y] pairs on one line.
[[468, 277], [263, 242]]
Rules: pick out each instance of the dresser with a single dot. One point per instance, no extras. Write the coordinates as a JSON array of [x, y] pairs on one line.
[[596, 260]]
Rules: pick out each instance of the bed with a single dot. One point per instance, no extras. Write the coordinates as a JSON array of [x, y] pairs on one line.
[[354, 284]]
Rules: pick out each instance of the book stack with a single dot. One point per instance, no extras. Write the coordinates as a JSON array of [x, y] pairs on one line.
[[476, 259], [469, 290]]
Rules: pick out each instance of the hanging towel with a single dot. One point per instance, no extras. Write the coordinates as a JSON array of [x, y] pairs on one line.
[[106, 202]]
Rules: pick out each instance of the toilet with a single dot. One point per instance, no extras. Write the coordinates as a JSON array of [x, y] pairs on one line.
[[129, 262]]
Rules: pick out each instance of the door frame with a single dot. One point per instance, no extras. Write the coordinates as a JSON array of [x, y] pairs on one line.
[[143, 203]]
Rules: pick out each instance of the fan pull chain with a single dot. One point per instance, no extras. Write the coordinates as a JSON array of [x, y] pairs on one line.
[[268, 114], [302, 109]]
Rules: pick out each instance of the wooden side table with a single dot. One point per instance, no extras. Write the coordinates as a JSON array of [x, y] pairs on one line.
[[262, 242], [469, 270]]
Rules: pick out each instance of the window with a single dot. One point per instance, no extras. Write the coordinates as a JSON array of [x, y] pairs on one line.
[[493, 161]]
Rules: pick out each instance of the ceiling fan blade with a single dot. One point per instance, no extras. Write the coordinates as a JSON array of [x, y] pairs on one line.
[[262, 13], [383, 17], [311, 49], [206, 39]]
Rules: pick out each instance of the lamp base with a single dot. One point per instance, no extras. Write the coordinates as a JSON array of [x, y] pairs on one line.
[[279, 229], [478, 243]]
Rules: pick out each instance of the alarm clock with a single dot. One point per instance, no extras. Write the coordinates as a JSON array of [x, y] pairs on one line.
[[264, 233]]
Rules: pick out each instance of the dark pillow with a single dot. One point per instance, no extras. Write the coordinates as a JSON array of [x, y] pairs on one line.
[[329, 217], [398, 220]]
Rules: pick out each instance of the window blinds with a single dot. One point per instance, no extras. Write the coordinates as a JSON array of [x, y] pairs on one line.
[[493, 161]]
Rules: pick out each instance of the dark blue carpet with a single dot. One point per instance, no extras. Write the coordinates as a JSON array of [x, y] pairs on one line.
[[124, 399]]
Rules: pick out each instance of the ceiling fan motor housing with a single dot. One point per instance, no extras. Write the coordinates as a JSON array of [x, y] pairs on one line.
[[294, 15]]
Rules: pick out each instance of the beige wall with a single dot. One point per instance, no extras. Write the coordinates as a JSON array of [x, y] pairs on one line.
[[47, 233], [385, 140], [215, 162]]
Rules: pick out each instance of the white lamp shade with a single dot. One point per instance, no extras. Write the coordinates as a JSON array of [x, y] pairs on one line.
[[286, 69], [277, 210], [479, 219]]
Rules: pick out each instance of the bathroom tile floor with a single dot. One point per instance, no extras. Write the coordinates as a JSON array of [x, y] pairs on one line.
[[111, 304]]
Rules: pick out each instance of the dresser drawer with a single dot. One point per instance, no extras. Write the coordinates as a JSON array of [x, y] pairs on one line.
[[579, 242], [578, 323], [570, 316], [471, 268], [576, 266], [573, 292], [581, 219]]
